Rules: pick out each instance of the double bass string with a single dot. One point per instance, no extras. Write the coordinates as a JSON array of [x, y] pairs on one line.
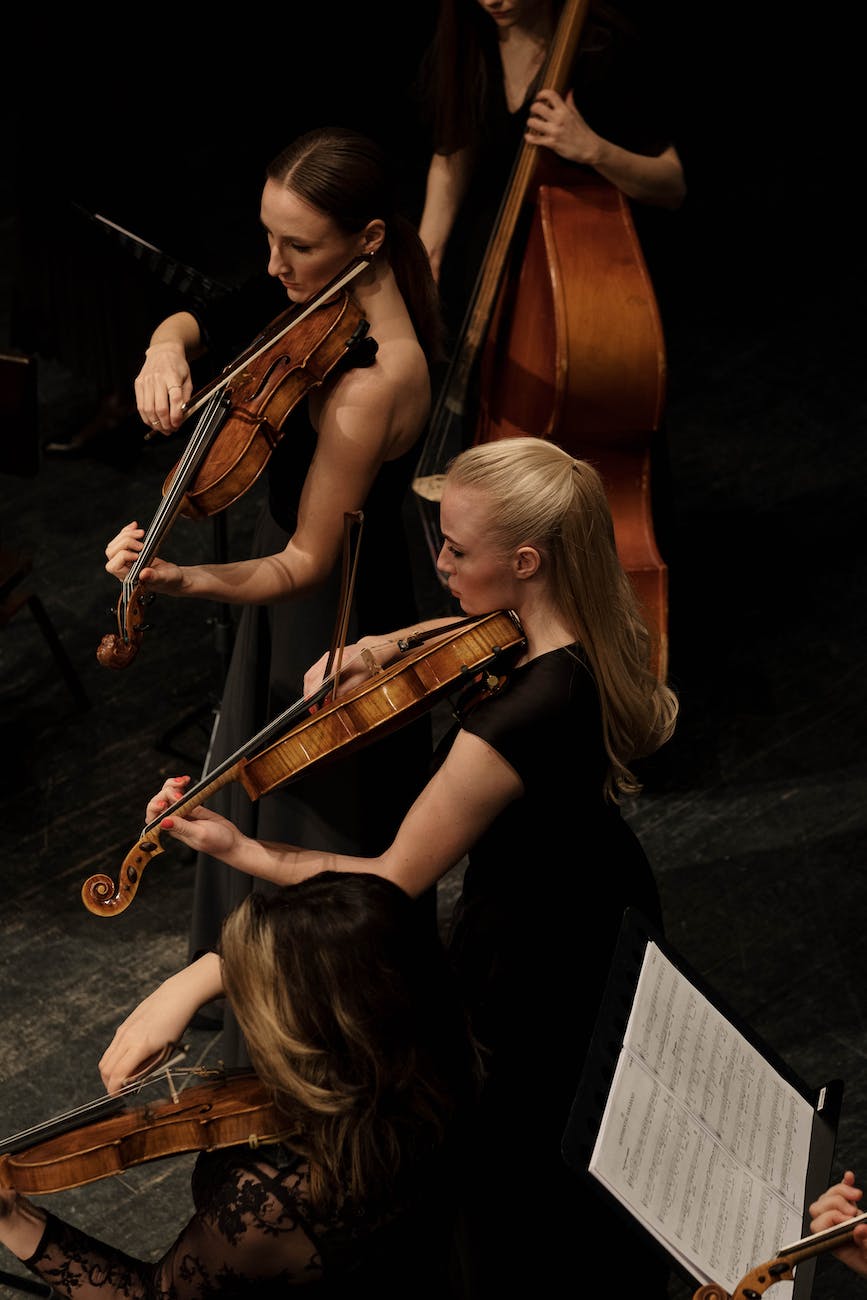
[[446, 433]]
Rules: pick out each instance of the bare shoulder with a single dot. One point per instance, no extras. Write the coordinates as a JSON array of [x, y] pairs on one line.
[[393, 395]]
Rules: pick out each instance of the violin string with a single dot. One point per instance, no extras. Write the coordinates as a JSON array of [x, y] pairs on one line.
[[202, 437], [206, 428], [97, 1103]]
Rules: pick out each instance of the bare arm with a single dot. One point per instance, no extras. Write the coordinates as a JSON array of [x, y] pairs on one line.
[[447, 180], [555, 123], [164, 382], [21, 1224], [160, 1020], [356, 423], [470, 789]]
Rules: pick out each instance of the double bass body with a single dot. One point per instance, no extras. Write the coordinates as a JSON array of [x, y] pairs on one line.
[[576, 353]]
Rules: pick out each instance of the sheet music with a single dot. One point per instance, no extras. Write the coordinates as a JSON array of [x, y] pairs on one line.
[[701, 1138]]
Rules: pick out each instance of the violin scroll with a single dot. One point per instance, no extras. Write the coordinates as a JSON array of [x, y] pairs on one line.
[[118, 649], [99, 893]]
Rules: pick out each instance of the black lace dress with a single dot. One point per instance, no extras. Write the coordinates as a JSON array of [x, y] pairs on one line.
[[254, 1234], [356, 804]]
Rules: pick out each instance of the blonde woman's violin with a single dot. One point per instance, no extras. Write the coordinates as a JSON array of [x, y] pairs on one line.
[[288, 746]]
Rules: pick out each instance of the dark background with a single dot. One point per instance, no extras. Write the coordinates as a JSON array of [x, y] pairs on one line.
[[753, 816]]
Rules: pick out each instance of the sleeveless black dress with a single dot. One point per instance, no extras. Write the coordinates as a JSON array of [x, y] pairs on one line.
[[355, 804]]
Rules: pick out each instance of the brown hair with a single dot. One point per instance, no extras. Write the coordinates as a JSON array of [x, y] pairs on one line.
[[352, 1019], [347, 176]]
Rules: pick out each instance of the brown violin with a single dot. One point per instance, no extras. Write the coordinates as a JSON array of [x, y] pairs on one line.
[[298, 738], [243, 412], [227, 1110], [781, 1267]]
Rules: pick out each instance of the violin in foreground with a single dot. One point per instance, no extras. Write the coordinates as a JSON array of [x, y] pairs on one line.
[[227, 1109], [470, 652], [781, 1267]]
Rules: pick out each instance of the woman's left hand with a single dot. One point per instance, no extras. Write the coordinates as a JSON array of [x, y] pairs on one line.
[[835, 1206]]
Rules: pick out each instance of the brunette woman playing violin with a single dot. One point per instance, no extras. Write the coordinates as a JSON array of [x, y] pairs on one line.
[[348, 446], [527, 786], [356, 1028]]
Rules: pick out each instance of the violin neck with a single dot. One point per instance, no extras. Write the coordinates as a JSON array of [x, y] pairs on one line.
[[206, 429], [228, 770], [817, 1242]]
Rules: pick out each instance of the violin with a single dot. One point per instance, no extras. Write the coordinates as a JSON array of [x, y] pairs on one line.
[[286, 748], [243, 412], [230, 1109], [781, 1267]]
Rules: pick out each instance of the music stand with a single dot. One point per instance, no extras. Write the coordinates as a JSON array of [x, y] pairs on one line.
[[679, 1098]]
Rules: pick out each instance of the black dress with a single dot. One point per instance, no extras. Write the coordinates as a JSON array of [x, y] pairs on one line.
[[355, 804], [621, 90], [255, 1234], [534, 931]]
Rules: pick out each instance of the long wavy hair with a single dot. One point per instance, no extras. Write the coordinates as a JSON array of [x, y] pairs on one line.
[[542, 496], [349, 177], [354, 1023]]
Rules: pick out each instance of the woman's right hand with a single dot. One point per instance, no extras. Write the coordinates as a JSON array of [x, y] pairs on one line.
[[360, 663], [159, 1021], [162, 386]]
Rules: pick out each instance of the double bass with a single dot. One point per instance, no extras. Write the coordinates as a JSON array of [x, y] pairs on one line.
[[563, 339]]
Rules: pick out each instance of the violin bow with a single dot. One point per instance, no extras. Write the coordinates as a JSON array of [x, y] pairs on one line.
[[351, 519], [118, 649]]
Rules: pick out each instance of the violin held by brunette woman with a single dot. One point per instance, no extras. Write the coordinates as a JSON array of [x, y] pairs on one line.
[[349, 445], [353, 1021], [527, 786]]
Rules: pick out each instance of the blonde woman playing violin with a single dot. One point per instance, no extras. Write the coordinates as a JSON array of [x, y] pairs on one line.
[[528, 787]]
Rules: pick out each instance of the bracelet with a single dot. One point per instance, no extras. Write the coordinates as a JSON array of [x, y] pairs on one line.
[[369, 659]]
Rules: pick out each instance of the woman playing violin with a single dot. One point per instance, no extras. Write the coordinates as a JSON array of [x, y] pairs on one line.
[[527, 786], [348, 446], [355, 1026]]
